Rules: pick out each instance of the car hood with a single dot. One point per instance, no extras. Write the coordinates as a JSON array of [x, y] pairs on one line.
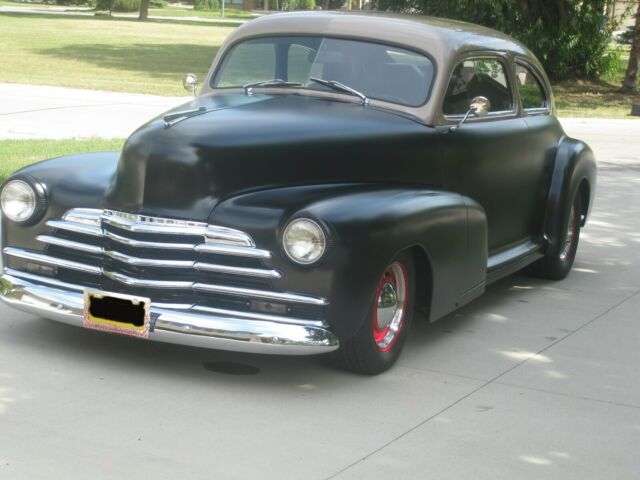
[[246, 143]]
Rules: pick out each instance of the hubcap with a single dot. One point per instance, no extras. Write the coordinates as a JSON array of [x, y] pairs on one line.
[[391, 299], [571, 234]]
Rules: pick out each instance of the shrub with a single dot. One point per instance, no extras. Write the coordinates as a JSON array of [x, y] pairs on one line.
[[288, 5], [570, 37], [206, 5], [118, 5], [627, 36]]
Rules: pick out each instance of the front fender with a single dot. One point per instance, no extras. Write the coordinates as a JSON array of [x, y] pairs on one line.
[[68, 182], [574, 168], [367, 226]]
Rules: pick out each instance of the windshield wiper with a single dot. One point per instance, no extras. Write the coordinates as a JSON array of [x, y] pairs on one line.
[[173, 118], [276, 82], [341, 87]]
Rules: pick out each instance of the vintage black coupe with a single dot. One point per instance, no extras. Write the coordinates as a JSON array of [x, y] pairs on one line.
[[335, 172]]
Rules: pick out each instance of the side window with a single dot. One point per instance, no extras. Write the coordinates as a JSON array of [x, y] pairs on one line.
[[531, 92], [483, 77]]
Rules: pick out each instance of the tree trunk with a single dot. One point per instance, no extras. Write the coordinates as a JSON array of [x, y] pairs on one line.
[[144, 10], [631, 77]]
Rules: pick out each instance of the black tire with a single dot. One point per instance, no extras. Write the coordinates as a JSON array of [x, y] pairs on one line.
[[557, 267], [367, 352]]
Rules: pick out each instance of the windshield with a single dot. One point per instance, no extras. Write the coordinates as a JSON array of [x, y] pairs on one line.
[[380, 72]]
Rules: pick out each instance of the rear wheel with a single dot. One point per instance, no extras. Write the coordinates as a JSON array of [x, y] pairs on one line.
[[378, 343], [558, 266]]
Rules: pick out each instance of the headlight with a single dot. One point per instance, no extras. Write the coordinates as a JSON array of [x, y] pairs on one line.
[[304, 241], [19, 201]]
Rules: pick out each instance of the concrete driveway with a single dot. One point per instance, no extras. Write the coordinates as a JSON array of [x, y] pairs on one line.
[[534, 380], [34, 111]]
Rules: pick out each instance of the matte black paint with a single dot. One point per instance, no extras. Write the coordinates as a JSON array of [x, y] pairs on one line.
[[263, 142], [377, 181]]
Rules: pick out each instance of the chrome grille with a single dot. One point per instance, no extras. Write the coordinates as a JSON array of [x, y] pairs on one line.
[[210, 268]]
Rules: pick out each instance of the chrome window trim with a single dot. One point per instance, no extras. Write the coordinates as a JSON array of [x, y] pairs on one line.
[[499, 115], [546, 110]]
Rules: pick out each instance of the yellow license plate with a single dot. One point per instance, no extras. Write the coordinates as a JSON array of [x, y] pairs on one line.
[[116, 313]]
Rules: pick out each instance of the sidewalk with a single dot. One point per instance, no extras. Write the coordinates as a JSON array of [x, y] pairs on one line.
[[31, 111], [89, 12]]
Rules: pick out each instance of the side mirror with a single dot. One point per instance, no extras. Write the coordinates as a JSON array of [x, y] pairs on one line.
[[190, 83], [479, 107]]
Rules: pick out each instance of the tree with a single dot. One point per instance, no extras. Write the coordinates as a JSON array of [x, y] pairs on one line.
[[631, 77], [570, 37], [144, 10]]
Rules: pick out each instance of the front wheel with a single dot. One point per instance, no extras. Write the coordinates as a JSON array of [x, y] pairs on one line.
[[378, 343], [558, 266]]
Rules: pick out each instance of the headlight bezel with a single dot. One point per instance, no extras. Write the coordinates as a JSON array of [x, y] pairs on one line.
[[39, 196], [315, 225]]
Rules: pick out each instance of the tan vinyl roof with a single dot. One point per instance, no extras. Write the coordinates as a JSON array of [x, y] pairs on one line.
[[442, 39]]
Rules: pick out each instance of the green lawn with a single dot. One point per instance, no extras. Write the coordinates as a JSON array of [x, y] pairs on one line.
[[585, 98], [105, 54], [15, 154], [11, 3], [122, 54]]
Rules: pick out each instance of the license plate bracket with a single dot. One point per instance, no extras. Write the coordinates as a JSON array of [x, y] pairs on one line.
[[117, 313]]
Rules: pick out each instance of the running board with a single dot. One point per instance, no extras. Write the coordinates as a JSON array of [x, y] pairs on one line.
[[513, 259]]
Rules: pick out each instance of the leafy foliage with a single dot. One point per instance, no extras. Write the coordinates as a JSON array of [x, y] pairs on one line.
[[570, 37], [206, 5], [627, 36], [298, 5], [118, 5]]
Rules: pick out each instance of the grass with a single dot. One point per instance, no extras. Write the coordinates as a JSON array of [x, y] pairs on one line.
[[15, 154], [601, 98], [122, 54], [11, 3], [104, 53], [167, 11]]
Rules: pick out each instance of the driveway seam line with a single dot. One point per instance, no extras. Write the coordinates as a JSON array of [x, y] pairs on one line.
[[489, 382], [568, 395]]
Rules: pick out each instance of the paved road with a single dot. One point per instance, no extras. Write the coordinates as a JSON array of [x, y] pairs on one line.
[[89, 12], [31, 111], [534, 380]]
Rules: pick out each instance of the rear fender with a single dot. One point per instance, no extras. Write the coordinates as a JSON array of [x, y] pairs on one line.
[[574, 170]]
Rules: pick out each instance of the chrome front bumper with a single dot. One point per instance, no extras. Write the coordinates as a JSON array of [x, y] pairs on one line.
[[64, 303]]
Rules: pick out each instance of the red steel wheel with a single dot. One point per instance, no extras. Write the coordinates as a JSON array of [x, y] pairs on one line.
[[377, 344], [390, 306]]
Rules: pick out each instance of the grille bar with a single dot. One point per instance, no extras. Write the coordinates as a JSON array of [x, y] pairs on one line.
[[62, 242], [191, 265], [48, 260], [181, 307], [163, 284], [75, 227], [160, 263]]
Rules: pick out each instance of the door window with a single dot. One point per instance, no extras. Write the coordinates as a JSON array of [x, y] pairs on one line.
[[484, 77], [531, 92]]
